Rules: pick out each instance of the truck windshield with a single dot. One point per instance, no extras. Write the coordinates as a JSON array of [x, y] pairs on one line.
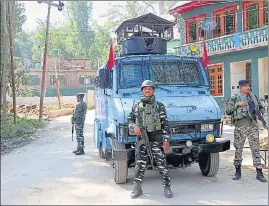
[[165, 73]]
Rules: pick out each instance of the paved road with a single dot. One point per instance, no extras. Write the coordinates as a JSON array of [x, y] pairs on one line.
[[46, 172]]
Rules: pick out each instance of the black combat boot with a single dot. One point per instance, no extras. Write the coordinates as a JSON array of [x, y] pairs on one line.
[[75, 151], [80, 152], [137, 191], [168, 192], [237, 174], [260, 176]]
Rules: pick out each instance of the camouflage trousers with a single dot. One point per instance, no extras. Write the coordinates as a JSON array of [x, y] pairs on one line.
[[158, 157], [80, 137], [240, 135]]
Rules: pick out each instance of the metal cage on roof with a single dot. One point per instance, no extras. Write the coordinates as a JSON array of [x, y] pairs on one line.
[[145, 34]]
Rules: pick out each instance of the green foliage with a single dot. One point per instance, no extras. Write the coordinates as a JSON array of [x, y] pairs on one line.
[[81, 15], [100, 48], [79, 36], [22, 42], [20, 18], [20, 73], [24, 127]]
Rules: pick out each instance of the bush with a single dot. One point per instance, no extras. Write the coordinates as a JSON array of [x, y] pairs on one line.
[[23, 127]]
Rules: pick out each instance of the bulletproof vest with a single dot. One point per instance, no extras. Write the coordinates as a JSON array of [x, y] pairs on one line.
[[149, 117]]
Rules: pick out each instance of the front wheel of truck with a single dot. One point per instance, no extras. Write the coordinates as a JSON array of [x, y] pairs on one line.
[[120, 166], [209, 164], [101, 152]]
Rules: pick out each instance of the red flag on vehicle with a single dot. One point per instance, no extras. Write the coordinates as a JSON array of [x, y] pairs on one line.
[[205, 56], [111, 58]]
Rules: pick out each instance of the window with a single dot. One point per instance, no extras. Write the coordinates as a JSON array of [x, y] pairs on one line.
[[249, 72], [31, 80], [225, 19], [255, 14], [165, 73], [194, 32], [265, 13], [82, 80], [216, 79], [61, 80]]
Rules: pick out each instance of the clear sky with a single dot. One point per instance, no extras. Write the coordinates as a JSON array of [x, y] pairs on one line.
[[34, 10]]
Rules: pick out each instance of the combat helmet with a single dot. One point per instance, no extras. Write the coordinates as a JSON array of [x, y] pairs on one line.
[[147, 83], [80, 95]]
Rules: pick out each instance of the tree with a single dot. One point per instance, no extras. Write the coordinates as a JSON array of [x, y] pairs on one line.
[[81, 15], [117, 14], [11, 21], [159, 7], [99, 49], [4, 60], [133, 9], [21, 38]]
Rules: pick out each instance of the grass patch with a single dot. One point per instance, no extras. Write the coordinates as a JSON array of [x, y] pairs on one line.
[[13, 135]]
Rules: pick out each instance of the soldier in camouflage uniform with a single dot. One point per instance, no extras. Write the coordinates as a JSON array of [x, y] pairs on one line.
[[246, 126], [155, 121], [78, 119]]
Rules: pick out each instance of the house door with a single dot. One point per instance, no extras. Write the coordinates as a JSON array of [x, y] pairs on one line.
[[249, 73]]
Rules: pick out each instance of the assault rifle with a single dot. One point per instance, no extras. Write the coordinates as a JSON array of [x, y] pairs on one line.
[[145, 140], [72, 131], [253, 110]]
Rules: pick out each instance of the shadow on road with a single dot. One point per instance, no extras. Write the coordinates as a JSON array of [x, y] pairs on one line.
[[47, 172]]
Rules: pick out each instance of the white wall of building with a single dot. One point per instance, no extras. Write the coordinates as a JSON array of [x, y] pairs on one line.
[[263, 77], [238, 72]]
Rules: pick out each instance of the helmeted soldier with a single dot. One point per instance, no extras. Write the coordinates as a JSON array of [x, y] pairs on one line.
[[244, 107], [78, 119], [152, 115]]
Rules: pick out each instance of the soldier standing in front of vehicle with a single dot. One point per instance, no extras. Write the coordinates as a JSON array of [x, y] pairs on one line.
[[152, 115], [245, 120], [78, 119]]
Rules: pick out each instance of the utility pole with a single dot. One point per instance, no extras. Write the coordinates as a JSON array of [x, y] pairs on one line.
[[60, 7], [44, 66]]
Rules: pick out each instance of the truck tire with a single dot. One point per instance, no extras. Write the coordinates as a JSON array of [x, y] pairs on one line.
[[101, 152], [209, 164], [120, 167]]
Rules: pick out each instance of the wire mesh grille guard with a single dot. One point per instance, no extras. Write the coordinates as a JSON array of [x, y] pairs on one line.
[[160, 72]]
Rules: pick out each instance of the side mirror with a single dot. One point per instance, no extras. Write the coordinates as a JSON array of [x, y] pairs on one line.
[[103, 75], [105, 79]]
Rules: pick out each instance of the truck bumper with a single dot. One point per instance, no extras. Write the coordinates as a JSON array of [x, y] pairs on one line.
[[220, 145]]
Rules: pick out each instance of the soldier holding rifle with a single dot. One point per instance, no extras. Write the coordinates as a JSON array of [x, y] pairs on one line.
[[148, 121], [246, 109], [78, 120]]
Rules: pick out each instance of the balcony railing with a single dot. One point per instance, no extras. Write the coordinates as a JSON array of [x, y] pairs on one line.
[[235, 42]]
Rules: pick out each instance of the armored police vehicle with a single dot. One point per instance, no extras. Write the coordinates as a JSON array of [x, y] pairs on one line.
[[182, 85]]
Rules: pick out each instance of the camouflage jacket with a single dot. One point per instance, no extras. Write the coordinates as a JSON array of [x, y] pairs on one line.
[[80, 113], [160, 109], [237, 112]]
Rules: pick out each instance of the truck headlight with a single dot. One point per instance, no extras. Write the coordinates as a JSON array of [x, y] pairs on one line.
[[123, 130], [207, 127]]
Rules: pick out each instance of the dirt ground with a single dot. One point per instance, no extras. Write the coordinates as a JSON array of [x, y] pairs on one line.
[[32, 110], [46, 172]]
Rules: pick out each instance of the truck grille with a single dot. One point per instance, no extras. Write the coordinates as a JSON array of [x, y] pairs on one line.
[[178, 131], [183, 129]]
